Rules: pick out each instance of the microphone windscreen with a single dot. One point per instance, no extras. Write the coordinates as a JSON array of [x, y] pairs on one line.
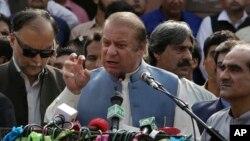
[[99, 123], [170, 130], [68, 112]]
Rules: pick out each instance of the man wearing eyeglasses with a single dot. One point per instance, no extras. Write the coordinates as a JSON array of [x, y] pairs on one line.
[[27, 80]]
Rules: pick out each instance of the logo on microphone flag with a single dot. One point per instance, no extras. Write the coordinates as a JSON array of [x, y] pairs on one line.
[[115, 111], [148, 121]]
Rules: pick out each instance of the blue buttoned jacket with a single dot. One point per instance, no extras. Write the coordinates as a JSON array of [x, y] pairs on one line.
[[144, 100], [206, 108]]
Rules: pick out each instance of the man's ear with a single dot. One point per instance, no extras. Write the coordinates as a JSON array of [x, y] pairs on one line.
[[142, 49], [195, 63], [12, 39]]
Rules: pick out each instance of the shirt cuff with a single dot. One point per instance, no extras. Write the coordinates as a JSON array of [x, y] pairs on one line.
[[68, 98]]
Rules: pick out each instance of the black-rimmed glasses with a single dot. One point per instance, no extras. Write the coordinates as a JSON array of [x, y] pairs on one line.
[[29, 52]]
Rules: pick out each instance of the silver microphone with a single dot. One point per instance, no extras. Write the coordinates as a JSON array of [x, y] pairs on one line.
[[148, 78]]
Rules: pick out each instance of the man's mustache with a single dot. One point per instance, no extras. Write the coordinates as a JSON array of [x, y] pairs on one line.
[[184, 63]]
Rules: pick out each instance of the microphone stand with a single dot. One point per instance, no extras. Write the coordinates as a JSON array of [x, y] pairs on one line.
[[215, 136]]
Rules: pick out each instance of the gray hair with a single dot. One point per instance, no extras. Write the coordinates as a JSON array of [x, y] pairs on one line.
[[169, 32]]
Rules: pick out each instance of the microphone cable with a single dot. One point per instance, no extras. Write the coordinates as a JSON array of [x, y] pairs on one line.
[[179, 102], [182, 105], [83, 135]]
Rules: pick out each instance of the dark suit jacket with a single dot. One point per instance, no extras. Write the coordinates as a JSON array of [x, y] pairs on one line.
[[7, 113], [13, 86], [205, 109]]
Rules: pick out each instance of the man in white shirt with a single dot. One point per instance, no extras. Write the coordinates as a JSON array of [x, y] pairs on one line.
[[233, 17]]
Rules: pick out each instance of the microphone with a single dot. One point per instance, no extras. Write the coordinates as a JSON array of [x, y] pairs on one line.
[[148, 78], [68, 112], [57, 120], [148, 128], [98, 124], [64, 114], [115, 112], [172, 131], [147, 125]]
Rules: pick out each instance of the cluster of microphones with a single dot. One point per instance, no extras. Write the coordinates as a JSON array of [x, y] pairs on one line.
[[115, 113], [148, 129]]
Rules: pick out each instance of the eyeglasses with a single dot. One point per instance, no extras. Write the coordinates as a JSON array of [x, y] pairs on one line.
[[29, 52]]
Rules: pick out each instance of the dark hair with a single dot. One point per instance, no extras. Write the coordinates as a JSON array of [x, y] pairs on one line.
[[5, 49], [196, 52], [118, 6], [82, 42], [216, 38], [224, 47], [169, 32], [25, 17], [79, 43], [64, 51], [5, 19], [95, 37]]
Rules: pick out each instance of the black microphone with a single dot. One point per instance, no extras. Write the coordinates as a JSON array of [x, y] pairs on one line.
[[148, 78], [115, 112], [116, 98], [57, 120]]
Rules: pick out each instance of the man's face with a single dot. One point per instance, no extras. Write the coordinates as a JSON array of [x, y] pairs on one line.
[[176, 58], [40, 4], [121, 51], [139, 5], [4, 29], [234, 5], [220, 59], [59, 61], [93, 58], [209, 64], [235, 75], [173, 7], [31, 39]]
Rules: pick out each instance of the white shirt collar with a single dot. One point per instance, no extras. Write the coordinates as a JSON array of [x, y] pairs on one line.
[[223, 16]]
